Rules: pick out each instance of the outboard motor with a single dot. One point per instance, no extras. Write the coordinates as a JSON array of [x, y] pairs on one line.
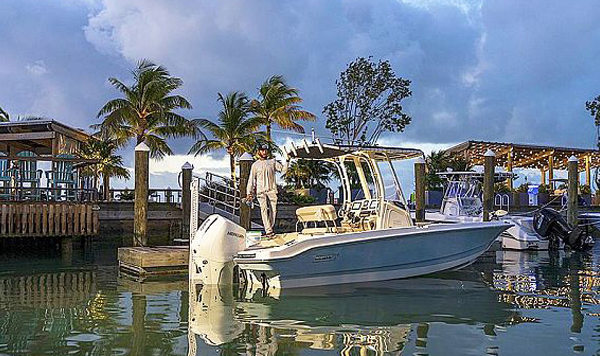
[[551, 224], [212, 249]]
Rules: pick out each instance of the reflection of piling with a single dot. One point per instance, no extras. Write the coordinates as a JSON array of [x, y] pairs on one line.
[[572, 191], [488, 184], [66, 249], [186, 199], [246, 161], [140, 222], [420, 190]]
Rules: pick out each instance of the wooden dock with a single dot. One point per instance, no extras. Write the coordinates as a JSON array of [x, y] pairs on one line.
[[143, 262], [32, 219]]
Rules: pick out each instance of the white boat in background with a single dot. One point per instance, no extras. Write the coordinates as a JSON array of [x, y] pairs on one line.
[[369, 239], [462, 203]]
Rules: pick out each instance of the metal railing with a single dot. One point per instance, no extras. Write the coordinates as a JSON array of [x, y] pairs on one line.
[[219, 192], [47, 194], [167, 195]]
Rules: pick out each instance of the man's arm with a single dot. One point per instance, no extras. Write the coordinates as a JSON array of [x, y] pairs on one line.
[[282, 168], [251, 182]]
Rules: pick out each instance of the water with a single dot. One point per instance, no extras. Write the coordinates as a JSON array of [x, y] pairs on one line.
[[507, 303]]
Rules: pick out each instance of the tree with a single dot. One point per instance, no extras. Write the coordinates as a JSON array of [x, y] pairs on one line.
[[369, 102], [234, 131], [594, 108], [4, 117], [109, 165], [441, 161], [278, 104], [147, 110], [308, 174]]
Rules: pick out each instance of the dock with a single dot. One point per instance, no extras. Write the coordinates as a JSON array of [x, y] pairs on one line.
[[143, 262]]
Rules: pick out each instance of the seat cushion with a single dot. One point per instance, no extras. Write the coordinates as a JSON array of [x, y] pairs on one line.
[[316, 213]]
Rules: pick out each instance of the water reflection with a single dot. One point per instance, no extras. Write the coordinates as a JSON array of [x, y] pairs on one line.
[[374, 318], [506, 303]]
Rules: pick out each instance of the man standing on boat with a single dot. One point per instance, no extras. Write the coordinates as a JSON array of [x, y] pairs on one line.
[[262, 179]]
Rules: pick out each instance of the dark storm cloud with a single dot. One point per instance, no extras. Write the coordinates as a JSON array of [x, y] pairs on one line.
[[498, 70]]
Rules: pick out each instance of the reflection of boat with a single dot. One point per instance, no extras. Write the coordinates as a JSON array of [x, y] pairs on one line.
[[374, 316], [462, 202], [376, 239]]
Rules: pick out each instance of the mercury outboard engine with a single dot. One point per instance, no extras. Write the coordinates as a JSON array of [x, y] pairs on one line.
[[551, 224]]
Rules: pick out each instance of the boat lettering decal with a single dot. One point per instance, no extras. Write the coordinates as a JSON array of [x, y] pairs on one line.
[[231, 233], [325, 258]]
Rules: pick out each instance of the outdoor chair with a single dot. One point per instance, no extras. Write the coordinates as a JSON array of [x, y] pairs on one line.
[[5, 177], [28, 176], [63, 179]]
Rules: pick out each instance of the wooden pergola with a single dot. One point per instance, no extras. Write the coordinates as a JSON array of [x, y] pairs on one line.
[[42, 137], [545, 158]]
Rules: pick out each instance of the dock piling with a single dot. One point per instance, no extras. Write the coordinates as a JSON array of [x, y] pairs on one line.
[[420, 189], [572, 190], [186, 198], [140, 222], [246, 161], [488, 184]]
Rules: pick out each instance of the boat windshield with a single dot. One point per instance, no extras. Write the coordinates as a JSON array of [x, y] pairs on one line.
[[463, 189]]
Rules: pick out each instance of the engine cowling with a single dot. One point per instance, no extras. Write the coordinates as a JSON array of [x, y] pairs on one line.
[[212, 249]]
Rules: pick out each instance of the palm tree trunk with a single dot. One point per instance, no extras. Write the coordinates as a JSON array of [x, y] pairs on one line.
[[269, 131], [106, 183], [232, 167]]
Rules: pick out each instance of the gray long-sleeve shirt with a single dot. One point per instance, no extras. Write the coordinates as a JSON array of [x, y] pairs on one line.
[[262, 176]]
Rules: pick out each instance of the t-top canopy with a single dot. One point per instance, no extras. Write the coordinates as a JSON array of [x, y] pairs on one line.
[[471, 175], [318, 151]]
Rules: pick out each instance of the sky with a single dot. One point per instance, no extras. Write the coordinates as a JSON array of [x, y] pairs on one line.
[[512, 70]]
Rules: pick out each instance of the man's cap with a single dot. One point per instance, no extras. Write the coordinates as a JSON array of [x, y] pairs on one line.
[[263, 147]]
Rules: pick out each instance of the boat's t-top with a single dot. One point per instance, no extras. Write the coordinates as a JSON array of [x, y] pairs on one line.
[[379, 204], [462, 193]]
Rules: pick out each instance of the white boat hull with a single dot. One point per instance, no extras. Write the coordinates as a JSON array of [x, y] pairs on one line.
[[370, 256], [520, 236]]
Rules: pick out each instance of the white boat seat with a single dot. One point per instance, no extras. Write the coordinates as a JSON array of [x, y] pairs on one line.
[[316, 214]]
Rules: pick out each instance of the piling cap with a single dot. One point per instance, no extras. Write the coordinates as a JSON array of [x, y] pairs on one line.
[[420, 160], [573, 159], [246, 157], [489, 153], [142, 147], [187, 165]]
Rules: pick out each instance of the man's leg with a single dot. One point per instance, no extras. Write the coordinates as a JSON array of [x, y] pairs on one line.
[[273, 205], [264, 213]]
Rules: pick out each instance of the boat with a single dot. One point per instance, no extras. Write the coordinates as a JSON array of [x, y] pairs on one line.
[[368, 239], [462, 203]]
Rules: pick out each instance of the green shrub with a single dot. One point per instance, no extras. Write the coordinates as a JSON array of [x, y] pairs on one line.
[[522, 188], [501, 188], [584, 189]]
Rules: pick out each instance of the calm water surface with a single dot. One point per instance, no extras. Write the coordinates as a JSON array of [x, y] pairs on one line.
[[507, 303]]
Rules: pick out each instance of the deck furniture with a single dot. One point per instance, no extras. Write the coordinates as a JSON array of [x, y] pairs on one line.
[[28, 176], [63, 179]]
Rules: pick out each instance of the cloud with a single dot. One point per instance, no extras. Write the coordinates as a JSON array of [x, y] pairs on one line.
[[37, 68]]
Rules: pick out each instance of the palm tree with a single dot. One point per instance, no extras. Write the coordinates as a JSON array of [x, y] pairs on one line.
[[109, 164], [147, 111], [278, 104], [4, 117], [234, 131], [308, 174]]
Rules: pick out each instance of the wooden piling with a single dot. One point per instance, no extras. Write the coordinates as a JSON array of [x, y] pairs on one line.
[[572, 191], [246, 161], [420, 190], [186, 198], [140, 222], [488, 184]]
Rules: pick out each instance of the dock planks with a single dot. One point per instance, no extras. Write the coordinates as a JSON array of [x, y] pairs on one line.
[[142, 262], [35, 219]]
